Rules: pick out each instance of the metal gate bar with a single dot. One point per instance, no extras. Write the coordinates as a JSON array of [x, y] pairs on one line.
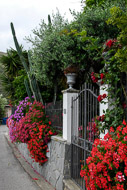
[[85, 108]]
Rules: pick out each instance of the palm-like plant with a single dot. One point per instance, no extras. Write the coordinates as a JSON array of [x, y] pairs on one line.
[[12, 63], [10, 67]]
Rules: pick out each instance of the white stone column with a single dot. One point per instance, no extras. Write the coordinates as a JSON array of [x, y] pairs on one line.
[[103, 90], [103, 106], [67, 99]]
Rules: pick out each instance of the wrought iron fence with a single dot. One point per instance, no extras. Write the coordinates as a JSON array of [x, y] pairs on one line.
[[124, 94], [85, 108], [13, 109], [55, 114]]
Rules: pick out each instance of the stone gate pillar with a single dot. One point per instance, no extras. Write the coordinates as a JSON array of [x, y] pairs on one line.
[[67, 99]]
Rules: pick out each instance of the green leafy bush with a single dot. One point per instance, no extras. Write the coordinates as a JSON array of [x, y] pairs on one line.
[[3, 102]]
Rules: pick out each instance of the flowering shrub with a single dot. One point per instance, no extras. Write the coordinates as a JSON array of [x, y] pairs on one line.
[[107, 166], [31, 121], [115, 86], [13, 120], [12, 129], [21, 110], [37, 145], [31, 127]]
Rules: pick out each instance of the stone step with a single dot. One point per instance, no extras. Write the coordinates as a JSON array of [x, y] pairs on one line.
[[70, 185]]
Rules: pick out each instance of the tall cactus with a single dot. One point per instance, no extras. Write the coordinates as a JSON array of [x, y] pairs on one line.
[[49, 20], [32, 80], [28, 89]]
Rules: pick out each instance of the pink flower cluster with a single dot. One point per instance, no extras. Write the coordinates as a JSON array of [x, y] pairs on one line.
[[13, 120], [32, 119]]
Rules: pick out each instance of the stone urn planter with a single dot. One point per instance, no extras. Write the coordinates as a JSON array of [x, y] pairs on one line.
[[71, 79], [71, 74]]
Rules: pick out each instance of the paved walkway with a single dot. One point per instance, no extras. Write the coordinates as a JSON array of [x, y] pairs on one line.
[[12, 174]]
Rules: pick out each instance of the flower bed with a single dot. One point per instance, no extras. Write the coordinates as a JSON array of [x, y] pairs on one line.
[[30, 125]]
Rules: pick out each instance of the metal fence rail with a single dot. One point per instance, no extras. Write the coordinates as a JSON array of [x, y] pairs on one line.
[[55, 114]]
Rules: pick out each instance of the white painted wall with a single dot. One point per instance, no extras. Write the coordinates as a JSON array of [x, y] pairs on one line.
[[103, 107]]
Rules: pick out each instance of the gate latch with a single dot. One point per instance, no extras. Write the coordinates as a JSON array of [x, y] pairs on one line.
[[64, 111]]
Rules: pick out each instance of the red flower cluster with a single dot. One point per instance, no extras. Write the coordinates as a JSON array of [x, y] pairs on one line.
[[34, 129], [107, 167], [100, 118], [124, 105], [101, 97], [102, 75], [31, 120], [110, 43], [95, 77], [37, 145]]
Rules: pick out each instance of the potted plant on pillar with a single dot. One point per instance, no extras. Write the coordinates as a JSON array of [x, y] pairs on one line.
[[71, 72]]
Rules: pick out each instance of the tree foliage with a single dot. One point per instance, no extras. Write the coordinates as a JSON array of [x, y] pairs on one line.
[[3, 102], [19, 88], [92, 27], [51, 52], [59, 44], [12, 67], [93, 20], [90, 3], [119, 18]]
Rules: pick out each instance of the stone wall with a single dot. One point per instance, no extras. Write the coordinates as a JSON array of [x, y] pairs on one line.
[[58, 166]]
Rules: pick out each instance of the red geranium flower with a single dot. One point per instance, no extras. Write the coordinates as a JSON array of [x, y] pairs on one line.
[[102, 82], [102, 75], [49, 122], [100, 98], [104, 96], [124, 105], [109, 43]]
